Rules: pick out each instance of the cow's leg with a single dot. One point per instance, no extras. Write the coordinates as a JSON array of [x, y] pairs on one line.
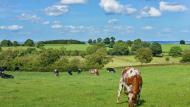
[[120, 89], [130, 100]]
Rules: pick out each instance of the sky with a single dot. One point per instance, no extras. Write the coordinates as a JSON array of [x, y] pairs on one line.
[[149, 20]]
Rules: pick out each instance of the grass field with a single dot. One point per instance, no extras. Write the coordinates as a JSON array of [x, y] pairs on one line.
[[164, 86], [166, 47]]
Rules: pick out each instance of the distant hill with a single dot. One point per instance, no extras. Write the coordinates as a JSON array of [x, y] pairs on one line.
[[63, 42]]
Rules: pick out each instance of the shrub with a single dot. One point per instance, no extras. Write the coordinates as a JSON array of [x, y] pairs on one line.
[[49, 56], [175, 51], [120, 48], [186, 56], [6, 43], [144, 55], [167, 59]]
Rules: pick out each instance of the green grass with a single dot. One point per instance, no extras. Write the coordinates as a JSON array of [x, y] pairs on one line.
[[81, 47], [119, 61], [166, 47], [164, 86]]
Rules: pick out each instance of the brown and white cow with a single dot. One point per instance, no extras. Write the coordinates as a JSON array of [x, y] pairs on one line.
[[94, 71], [131, 83]]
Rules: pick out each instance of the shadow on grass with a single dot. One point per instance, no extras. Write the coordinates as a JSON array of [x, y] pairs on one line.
[[141, 102]]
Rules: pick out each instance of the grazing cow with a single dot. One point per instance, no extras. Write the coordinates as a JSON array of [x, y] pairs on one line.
[[110, 70], [56, 72], [94, 71], [69, 71], [131, 83], [79, 71], [3, 75]]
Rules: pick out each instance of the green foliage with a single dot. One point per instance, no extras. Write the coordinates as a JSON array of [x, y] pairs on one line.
[[156, 48], [63, 42], [99, 40], [182, 42], [49, 56], [40, 45], [129, 43], [61, 64], [6, 43], [15, 43], [29, 42], [107, 41], [97, 57], [120, 48], [186, 56], [137, 44], [175, 51], [90, 41], [92, 49], [144, 55]]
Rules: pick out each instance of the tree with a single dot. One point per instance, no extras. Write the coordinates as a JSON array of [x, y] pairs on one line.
[[144, 55], [156, 48], [182, 42], [40, 44], [120, 48], [97, 59], [99, 40], [94, 41], [29, 42], [175, 51], [129, 43], [137, 44], [92, 49], [90, 41], [15, 43], [107, 41], [6, 43], [186, 56]]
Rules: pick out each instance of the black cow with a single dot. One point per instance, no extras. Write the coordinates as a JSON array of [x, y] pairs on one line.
[[79, 71], [111, 70], [69, 71], [3, 75]]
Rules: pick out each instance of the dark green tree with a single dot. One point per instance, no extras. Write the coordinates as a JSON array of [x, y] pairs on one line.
[[29, 42], [6, 43], [120, 48], [182, 42], [15, 43], [107, 41], [144, 55], [156, 48], [90, 41], [99, 40]]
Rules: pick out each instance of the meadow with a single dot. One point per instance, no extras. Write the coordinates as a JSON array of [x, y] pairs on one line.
[[164, 86]]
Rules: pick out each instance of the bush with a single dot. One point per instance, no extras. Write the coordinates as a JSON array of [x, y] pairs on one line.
[[144, 55], [120, 48], [167, 59], [137, 44], [156, 48], [175, 51], [6, 43], [49, 56], [186, 56]]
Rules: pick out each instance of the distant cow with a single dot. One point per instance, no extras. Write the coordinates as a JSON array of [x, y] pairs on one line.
[[69, 71], [79, 71], [131, 83], [94, 71], [3, 75], [56, 72], [110, 70]]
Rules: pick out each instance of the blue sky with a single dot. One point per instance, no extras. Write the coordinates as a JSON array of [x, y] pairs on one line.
[[83, 19]]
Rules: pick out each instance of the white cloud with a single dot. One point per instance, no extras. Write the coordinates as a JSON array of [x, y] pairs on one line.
[[149, 12], [112, 21], [73, 1], [33, 18], [46, 22], [147, 27], [113, 6], [11, 27], [56, 10], [173, 7], [56, 26]]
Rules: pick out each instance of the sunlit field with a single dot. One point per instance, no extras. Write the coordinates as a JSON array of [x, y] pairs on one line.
[[164, 86]]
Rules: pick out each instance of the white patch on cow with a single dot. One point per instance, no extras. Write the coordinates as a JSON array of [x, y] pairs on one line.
[[131, 72], [130, 96]]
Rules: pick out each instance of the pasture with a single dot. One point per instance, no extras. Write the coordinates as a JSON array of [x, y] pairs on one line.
[[164, 86]]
